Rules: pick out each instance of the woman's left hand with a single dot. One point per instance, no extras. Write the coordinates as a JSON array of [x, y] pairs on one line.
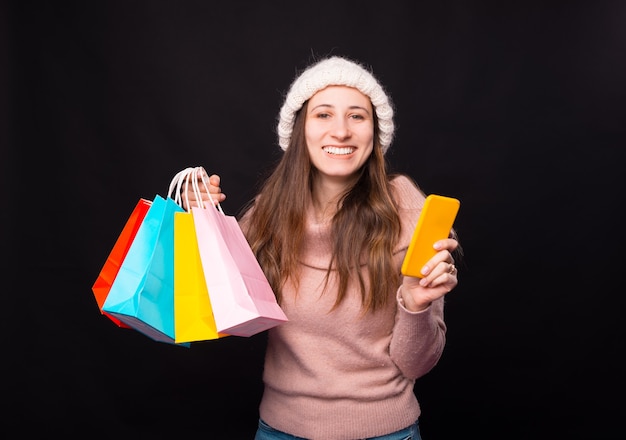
[[440, 277]]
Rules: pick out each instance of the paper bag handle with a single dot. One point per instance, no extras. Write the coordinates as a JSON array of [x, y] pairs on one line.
[[183, 176]]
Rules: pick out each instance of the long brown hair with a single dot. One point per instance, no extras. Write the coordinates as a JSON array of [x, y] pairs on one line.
[[367, 214]]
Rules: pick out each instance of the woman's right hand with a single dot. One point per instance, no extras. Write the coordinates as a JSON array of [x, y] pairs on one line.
[[213, 182]]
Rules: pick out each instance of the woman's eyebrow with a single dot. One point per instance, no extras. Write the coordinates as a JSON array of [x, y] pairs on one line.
[[352, 107]]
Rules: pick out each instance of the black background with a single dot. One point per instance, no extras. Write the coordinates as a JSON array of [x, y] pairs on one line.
[[516, 108]]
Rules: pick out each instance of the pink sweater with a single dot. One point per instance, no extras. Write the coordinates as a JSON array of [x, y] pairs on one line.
[[338, 375]]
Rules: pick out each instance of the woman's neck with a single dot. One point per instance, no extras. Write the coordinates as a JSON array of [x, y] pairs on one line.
[[325, 197]]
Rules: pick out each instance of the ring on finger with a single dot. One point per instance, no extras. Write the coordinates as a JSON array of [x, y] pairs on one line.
[[452, 269]]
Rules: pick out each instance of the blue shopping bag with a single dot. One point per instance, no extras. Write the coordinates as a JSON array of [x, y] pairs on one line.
[[142, 294]]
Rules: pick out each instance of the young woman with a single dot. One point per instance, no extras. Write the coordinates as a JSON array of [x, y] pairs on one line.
[[330, 228]]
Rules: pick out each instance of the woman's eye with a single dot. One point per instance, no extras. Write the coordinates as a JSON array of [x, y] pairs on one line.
[[357, 116]]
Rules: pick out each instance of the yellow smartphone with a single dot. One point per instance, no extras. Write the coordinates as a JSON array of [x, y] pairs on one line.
[[434, 223]]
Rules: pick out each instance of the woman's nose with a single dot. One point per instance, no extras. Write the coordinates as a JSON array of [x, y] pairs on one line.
[[341, 128]]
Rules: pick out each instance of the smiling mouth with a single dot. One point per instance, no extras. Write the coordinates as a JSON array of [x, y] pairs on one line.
[[338, 150]]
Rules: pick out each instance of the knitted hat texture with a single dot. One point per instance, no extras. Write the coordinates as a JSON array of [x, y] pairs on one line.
[[335, 71]]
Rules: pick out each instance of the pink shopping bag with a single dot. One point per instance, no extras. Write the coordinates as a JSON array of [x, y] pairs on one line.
[[242, 299]]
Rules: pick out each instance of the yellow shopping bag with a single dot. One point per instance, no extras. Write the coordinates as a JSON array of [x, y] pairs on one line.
[[193, 315]]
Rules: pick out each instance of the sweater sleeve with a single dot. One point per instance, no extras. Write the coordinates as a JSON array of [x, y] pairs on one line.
[[418, 338]]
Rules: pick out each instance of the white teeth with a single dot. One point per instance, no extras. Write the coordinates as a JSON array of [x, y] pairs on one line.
[[337, 150]]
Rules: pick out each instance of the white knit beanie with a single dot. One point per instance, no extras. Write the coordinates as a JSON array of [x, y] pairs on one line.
[[335, 71]]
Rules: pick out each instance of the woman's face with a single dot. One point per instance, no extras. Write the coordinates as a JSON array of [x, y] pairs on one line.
[[339, 131]]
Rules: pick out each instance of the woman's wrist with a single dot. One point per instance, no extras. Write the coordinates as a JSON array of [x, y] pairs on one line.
[[407, 301]]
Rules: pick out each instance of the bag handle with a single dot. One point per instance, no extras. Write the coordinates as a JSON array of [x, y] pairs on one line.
[[176, 183], [184, 176]]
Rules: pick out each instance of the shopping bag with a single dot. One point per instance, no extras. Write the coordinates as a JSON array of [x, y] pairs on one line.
[[242, 299], [193, 314], [102, 285], [142, 294]]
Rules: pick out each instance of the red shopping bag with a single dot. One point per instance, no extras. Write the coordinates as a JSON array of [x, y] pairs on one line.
[[104, 281]]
